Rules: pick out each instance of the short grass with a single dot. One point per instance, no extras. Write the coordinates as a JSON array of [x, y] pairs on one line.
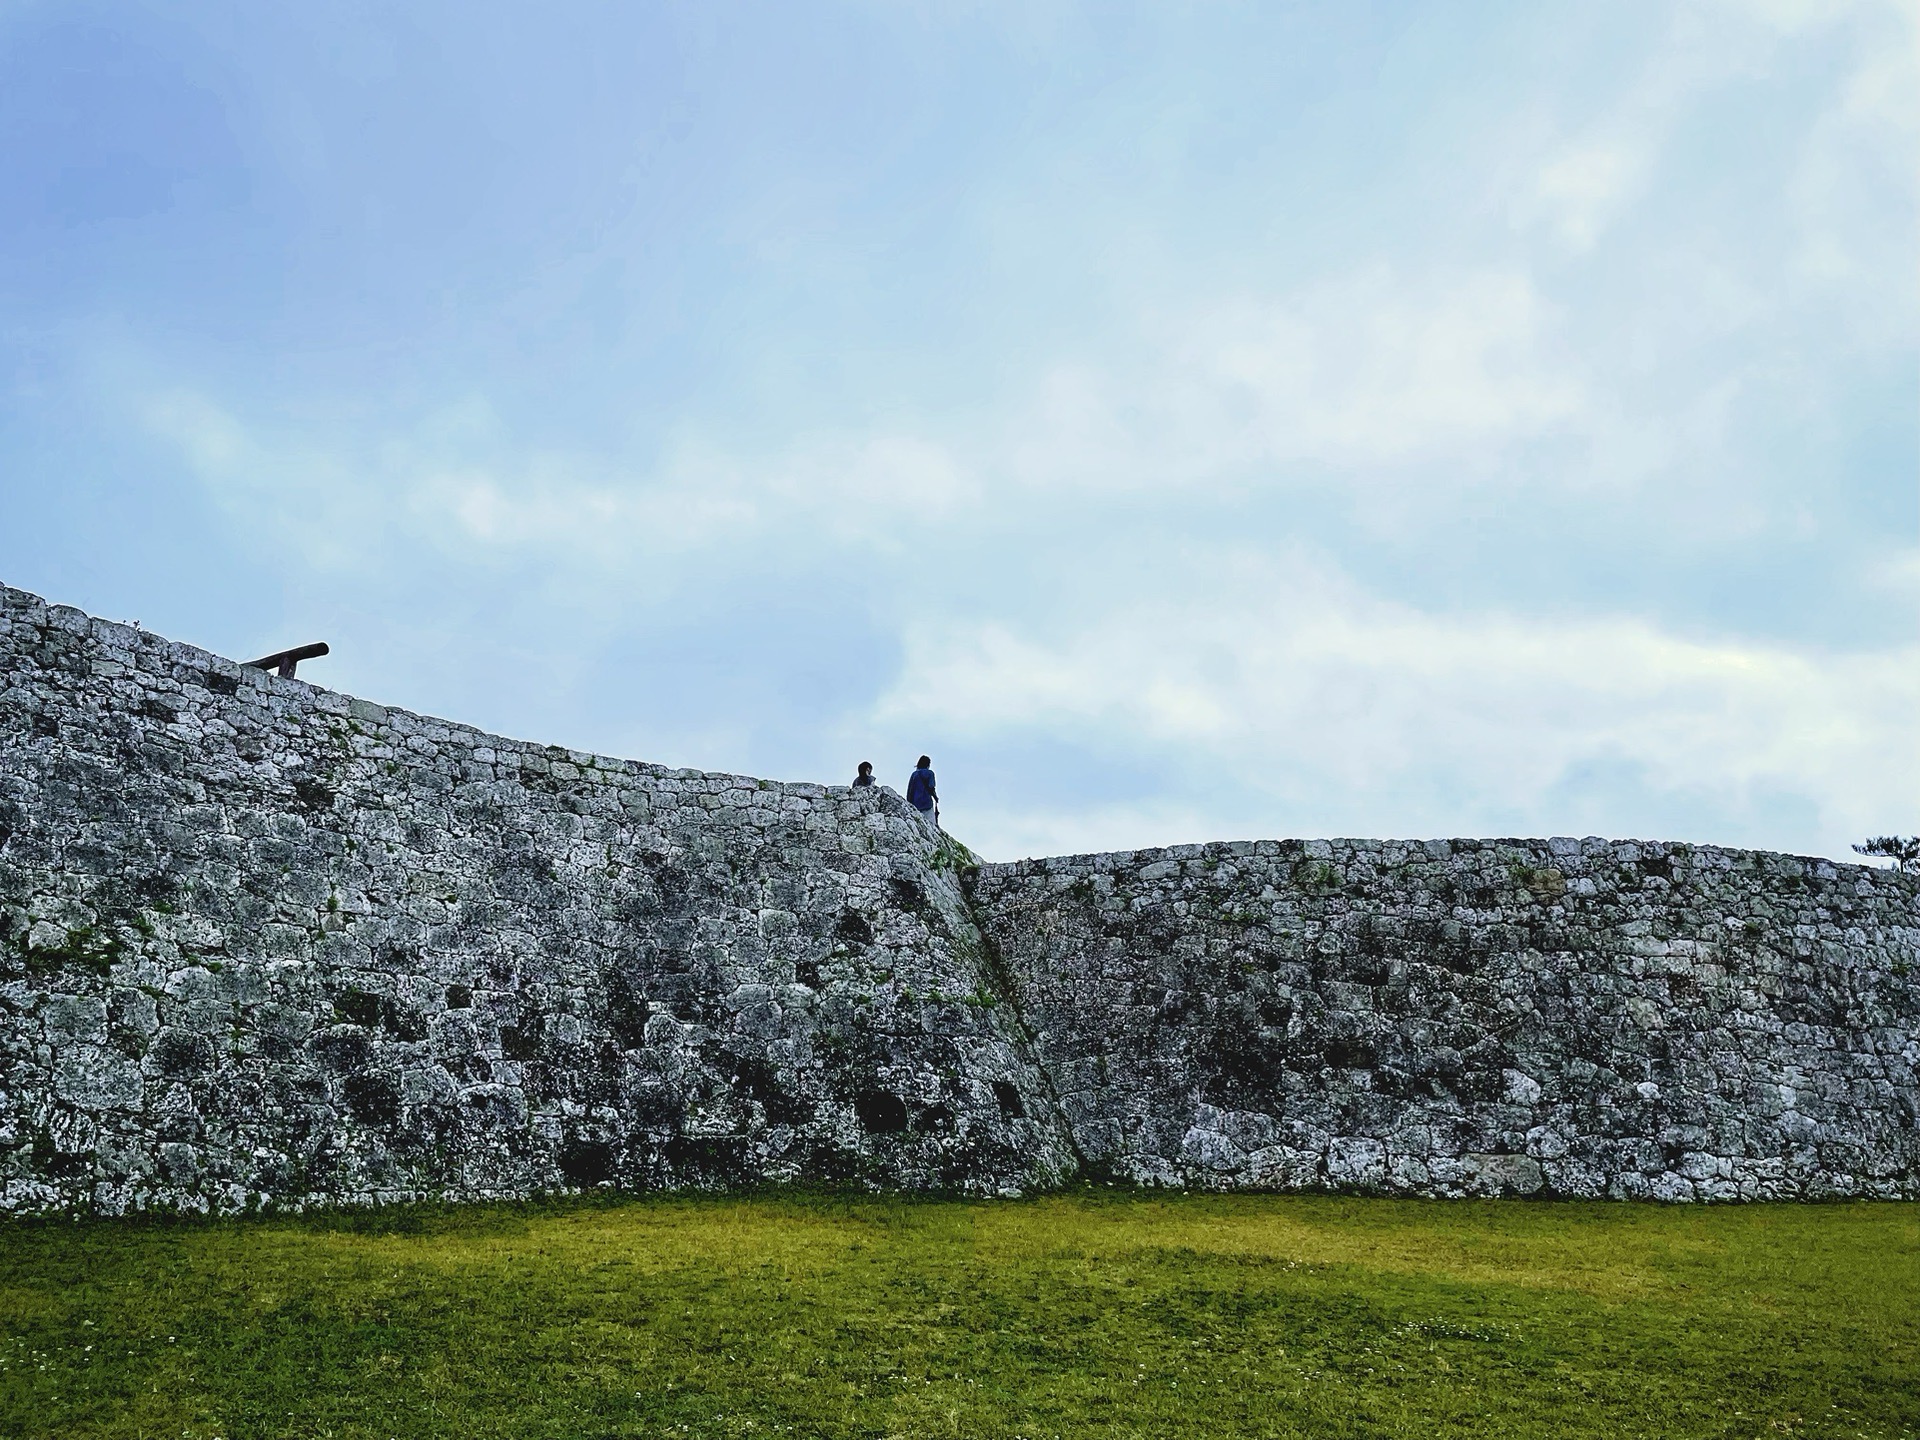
[[1089, 1314]]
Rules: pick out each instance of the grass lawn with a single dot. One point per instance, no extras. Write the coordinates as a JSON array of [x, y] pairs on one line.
[[1104, 1314]]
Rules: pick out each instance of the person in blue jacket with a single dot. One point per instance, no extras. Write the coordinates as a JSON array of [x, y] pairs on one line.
[[920, 792]]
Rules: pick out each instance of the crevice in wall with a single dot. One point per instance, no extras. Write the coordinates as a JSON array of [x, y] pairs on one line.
[[1007, 990]]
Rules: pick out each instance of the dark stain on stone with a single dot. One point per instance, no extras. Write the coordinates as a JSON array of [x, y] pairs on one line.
[[179, 1053], [717, 1161], [880, 1112], [357, 1007], [342, 1050], [313, 793], [373, 1098], [587, 1163], [1350, 1054], [522, 1041]]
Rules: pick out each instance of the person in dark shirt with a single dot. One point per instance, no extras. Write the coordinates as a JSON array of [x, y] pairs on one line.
[[920, 792], [865, 777]]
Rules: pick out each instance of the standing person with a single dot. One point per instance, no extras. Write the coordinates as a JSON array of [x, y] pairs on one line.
[[920, 792], [865, 777]]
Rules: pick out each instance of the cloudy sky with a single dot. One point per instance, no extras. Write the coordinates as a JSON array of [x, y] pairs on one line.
[[1185, 421]]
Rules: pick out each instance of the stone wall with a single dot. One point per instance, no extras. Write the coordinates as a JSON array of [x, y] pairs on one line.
[[1568, 1017], [261, 942]]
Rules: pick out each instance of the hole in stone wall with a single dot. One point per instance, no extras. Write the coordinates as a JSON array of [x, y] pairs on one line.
[[756, 1079], [356, 1007], [459, 997], [1009, 1100], [628, 1011], [587, 1162], [373, 1099], [880, 1113], [402, 1021]]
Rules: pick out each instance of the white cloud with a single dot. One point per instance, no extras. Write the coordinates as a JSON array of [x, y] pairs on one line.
[[454, 484], [1341, 706], [1401, 380], [1588, 173], [1854, 187], [1371, 371], [1795, 17], [1580, 188]]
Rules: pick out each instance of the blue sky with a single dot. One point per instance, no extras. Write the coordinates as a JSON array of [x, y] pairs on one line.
[[1184, 421]]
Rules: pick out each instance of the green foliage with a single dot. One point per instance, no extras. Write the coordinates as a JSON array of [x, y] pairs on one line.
[[1081, 1315], [85, 948], [1903, 850], [1540, 881], [952, 854], [1316, 877]]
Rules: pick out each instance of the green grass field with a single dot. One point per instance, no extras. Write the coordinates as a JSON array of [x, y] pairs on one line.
[[1085, 1314]]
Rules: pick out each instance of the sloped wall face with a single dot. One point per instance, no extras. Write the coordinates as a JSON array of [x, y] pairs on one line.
[[263, 943], [1566, 1017]]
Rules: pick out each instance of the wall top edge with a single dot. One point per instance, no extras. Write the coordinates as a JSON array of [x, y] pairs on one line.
[[150, 648], [115, 635], [1554, 851]]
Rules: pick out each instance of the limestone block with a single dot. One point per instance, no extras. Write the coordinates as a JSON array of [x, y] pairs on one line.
[[1506, 1174], [95, 1078]]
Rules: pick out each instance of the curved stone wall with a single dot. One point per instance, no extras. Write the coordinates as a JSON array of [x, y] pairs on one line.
[[265, 944], [1567, 1017]]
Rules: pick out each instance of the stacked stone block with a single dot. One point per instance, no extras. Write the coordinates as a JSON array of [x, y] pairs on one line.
[[1565, 1017], [265, 944]]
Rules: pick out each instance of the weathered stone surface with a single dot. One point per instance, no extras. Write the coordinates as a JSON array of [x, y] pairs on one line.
[[1517, 1017], [260, 942]]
